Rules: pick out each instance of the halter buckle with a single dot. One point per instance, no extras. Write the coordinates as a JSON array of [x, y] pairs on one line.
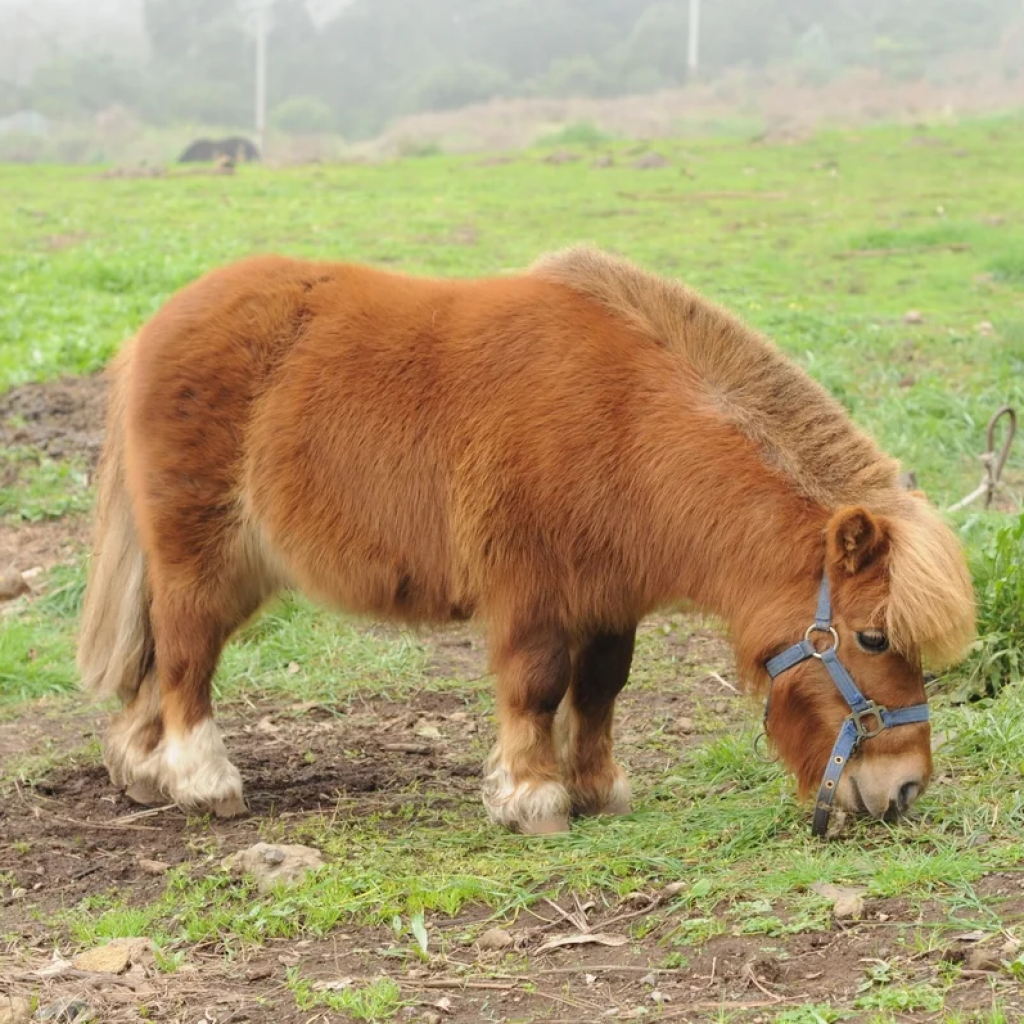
[[815, 628], [871, 710]]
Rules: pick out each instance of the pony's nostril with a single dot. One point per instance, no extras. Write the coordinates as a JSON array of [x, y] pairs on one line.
[[908, 794]]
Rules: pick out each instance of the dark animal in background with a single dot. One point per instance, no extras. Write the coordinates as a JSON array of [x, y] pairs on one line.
[[235, 148]]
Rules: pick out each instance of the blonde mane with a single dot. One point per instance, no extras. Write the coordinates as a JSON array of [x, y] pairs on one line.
[[801, 431]]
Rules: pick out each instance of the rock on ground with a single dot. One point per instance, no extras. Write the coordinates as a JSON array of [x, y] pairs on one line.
[[274, 864]]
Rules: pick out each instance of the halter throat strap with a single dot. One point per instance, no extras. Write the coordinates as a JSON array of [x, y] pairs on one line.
[[866, 718]]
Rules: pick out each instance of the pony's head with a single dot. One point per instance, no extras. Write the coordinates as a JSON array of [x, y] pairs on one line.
[[901, 601]]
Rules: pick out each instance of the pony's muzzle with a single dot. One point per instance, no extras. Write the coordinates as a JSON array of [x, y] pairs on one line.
[[884, 787]]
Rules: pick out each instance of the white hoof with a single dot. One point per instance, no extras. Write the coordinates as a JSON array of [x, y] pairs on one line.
[[533, 808], [192, 771], [198, 774]]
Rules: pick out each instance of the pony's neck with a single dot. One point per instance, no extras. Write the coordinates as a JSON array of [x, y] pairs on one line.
[[743, 542]]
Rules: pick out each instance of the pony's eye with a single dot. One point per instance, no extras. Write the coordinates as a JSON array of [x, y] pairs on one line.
[[873, 641]]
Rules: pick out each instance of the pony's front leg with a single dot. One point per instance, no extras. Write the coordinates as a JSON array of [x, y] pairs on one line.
[[522, 786], [583, 727]]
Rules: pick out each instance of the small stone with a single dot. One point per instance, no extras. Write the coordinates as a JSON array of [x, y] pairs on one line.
[[274, 864], [153, 867], [338, 985], [65, 1011], [495, 938], [684, 726], [913, 316], [848, 908], [982, 959], [259, 973], [293, 668], [650, 161], [112, 958], [15, 1010], [12, 585], [847, 903]]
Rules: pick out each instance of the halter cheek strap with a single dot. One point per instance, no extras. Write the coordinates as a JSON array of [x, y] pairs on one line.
[[866, 718]]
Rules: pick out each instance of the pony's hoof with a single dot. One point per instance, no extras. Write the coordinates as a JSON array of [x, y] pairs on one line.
[[545, 826], [533, 808], [233, 806], [144, 793]]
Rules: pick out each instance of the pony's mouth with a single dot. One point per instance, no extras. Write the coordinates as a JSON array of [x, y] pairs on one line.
[[859, 807]]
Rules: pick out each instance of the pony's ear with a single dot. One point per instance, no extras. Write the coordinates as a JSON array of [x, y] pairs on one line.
[[856, 539]]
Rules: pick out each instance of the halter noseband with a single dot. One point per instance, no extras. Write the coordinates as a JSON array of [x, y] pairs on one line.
[[857, 725]]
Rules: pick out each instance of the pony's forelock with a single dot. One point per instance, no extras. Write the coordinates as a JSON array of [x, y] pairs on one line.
[[930, 609]]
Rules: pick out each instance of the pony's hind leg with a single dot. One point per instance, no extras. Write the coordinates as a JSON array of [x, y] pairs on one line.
[[195, 770], [176, 751], [596, 784], [131, 742], [522, 785]]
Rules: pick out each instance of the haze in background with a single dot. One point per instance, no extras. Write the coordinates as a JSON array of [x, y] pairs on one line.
[[104, 71]]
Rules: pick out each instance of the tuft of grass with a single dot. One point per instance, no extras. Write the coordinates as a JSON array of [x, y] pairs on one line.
[[997, 566], [378, 1001], [579, 133]]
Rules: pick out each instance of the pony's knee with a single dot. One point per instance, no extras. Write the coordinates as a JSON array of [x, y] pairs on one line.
[[533, 807]]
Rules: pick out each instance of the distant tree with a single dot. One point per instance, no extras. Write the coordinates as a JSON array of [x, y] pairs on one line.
[[83, 84], [303, 115]]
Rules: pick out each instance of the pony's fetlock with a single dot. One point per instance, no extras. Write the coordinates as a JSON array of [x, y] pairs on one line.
[[199, 775], [592, 797]]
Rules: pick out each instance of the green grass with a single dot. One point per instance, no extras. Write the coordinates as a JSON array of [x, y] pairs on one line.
[[793, 238], [38, 487]]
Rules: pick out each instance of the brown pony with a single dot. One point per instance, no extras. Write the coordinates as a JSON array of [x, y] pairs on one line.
[[556, 453]]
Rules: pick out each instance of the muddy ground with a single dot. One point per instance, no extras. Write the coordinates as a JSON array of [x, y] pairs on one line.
[[66, 834]]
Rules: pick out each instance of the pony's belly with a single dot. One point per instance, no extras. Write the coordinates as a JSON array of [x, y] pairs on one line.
[[382, 592]]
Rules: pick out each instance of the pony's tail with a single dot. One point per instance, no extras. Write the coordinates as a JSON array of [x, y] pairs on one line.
[[115, 641]]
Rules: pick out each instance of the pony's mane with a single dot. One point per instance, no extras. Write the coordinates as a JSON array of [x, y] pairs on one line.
[[800, 430]]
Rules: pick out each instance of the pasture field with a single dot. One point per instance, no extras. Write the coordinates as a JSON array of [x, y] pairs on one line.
[[889, 262]]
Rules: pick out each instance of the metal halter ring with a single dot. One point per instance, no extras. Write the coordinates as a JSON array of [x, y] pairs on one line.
[[815, 628], [873, 710]]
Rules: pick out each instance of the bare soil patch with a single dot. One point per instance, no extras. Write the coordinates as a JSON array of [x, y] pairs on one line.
[[63, 418]]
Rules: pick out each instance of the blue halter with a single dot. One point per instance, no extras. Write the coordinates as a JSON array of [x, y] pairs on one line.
[[866, 718]]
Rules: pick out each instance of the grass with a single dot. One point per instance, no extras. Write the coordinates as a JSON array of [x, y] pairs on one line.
[[826, 245]]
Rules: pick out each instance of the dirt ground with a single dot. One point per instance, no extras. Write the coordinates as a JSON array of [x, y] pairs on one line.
[[66, 834]]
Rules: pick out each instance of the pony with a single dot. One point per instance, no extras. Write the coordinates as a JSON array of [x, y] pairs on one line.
[[555, 453]]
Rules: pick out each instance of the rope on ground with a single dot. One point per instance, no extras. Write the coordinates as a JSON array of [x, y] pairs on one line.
[[992, 463]]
